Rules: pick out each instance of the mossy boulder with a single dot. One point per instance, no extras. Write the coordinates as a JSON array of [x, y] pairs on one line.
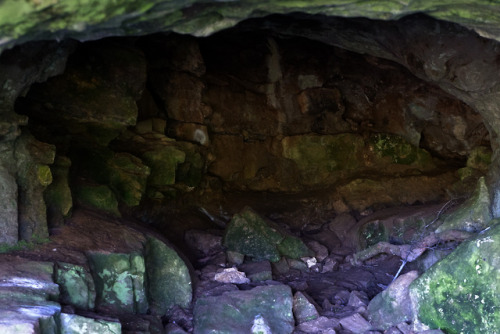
[[168, 278], [239, 311], [474, 214], [190, 171], [76, 285], [251, 235], [461, 293], [99, 197], [119, 282]]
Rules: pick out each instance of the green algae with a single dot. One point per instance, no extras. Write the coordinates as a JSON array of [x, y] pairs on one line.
[[99, 197]]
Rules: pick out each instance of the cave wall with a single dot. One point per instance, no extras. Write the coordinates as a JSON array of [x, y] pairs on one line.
[[322, 104], [165, 117]]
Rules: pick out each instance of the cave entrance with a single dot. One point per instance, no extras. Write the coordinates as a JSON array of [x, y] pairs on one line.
[[340, 144]]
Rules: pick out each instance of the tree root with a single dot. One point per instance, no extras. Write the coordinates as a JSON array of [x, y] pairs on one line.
[[409, 253]]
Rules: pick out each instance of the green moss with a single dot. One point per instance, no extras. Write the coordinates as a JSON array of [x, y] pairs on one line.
[[163, 162], [399, 150], [44, 175], [99, 197], [293, 248], [249, 234], [169, 282], [460, 294], [480, 158]]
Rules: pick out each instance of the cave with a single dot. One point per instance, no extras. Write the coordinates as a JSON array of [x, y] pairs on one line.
[[294, 172]]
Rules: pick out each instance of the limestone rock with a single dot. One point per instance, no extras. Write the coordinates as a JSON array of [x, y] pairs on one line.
[[231, 276], [25, 290], [9, 226], [58, 197], [97, 94], [76, 324], [461, 292], [119, 282], [303, 309], [163, 162], [34, 175], [192, 132], [392, 306], [235, 311], [474, 214], [356, 323], [168, 278], [76, 285], [99, 197], [249, 234]]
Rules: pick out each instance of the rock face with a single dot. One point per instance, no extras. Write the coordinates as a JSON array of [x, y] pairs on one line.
[[460, 293]]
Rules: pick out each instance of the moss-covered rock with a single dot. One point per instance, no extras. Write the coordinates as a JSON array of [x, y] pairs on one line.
[[249, 234], [120, 282], [461, 293], [238, 311], [58, 196], [99, 197], [480, 158], [76, 285], [293, 248], [474, 214], [33, 177], [168, 278], [163, 162], [190, 171], [318, 157], [400, 151]]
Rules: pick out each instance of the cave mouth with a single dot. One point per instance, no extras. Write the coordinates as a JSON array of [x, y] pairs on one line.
[[180, 133]]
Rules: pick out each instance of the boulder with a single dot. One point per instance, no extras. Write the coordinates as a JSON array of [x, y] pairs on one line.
[[26, 291], [461, 293], [251, 235], [303, 309], [168, 278], [76, 324], [474, 214], [76, 285], [238, 311], [119, 282], [392, 306]]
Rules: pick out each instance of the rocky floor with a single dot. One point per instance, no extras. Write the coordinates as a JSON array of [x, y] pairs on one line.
[[330, 295]]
